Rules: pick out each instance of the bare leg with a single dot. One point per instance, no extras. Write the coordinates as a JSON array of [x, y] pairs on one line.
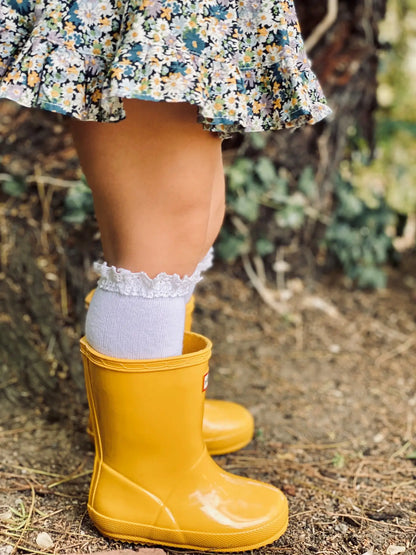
[[158, 186]]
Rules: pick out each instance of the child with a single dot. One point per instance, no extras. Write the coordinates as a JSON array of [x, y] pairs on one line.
[[177, 77]]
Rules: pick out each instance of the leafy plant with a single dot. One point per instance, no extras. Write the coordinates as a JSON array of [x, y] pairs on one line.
[[14, 187], [338, 460], [358, 237], [78, 203], [257, 192]]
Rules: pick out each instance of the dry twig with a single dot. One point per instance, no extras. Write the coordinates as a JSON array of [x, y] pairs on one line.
[[324, 25]]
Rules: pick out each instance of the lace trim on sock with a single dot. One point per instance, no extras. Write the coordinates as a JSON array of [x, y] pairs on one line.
[[207, 261], [124, 282]]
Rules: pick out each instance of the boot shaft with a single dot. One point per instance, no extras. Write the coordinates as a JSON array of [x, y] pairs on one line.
[[147, 415]]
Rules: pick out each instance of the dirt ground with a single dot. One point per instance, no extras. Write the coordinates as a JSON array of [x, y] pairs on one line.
[[331, 383]]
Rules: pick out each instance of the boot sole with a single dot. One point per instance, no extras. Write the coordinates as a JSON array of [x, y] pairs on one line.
[[229, 447], [132, 532]]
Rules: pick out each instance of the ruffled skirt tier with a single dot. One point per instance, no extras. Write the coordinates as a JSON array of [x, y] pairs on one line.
[[241, 62]]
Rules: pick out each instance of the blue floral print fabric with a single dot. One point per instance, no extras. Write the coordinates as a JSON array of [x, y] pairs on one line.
[[242, 62]]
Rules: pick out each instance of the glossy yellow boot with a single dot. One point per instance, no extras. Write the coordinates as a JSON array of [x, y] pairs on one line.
[[153, 479], [227, 426]]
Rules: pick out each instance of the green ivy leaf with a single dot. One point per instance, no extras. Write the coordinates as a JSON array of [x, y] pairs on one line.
[[266, 171], [248, 207], [258, 140], [264, 246], [78, 203], [280, 190], [307, 184], [350, 206], [14, 187], [291, 216], [75, 217], [240, 173], [371, 277], [229, 247]]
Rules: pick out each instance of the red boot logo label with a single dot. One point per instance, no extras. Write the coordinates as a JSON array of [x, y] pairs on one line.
[[205, 381]]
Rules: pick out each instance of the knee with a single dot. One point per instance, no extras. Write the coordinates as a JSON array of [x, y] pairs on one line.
[[217, 211], [190, 226], [215, 223]]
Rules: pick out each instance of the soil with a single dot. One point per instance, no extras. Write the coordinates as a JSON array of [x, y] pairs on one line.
[[329, 375]]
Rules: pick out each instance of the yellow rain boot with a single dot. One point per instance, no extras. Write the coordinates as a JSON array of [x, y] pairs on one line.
[[153, 479], [227, 426]]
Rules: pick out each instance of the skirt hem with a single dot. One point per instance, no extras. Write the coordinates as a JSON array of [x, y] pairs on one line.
[[231, 95]]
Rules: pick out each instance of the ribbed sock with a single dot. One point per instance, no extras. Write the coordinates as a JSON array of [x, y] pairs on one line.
[[135, 317]]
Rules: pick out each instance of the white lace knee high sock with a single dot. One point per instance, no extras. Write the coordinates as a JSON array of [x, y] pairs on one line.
[[135, 317], [203, 266]]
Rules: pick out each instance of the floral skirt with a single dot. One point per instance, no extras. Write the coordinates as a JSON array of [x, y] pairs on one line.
[[241, 62]]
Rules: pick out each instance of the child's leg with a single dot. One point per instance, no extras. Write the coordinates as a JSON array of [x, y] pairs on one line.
[[158, 186], [159, 200], [158, 190]]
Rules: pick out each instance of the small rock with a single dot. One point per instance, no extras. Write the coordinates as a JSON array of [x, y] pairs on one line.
[[395, 549], [378, 438], [7, 516], [6, 550], [281, 266], [44, 540], [285, 295], [341, 527]]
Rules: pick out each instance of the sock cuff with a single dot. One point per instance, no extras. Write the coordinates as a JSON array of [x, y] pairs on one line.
[[207, 261], [139, 284]]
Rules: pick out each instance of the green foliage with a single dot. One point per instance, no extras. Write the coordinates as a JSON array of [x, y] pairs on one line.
[[264, 246], [357, 232], [394, 164], [231, 245], [78, 203], [397, 68], [357, 236], [14, 187], [338, 461], [256, 193], [392, 170]]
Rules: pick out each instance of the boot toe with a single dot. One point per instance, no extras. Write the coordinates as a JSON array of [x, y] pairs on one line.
[[219, 511]]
